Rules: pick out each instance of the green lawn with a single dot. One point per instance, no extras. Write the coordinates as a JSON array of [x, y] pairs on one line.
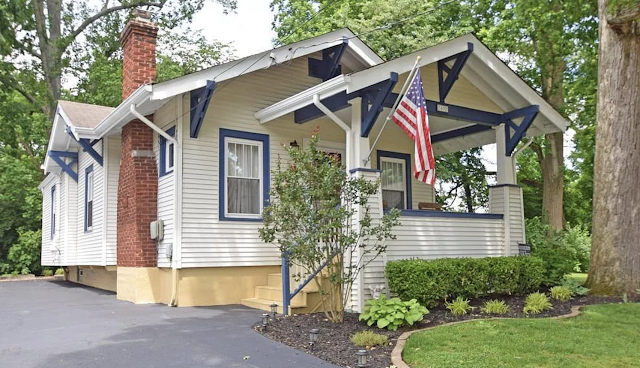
[[604, 336]]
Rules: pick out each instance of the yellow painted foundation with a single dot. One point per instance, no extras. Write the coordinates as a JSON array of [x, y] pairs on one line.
[[95, 276]]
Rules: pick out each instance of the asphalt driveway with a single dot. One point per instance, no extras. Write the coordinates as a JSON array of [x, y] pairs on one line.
[[59, 324]]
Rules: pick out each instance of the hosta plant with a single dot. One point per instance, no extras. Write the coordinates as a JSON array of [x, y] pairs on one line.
[[458, 307], [561, 293], [392, 313], [495, 307], [536, 303]]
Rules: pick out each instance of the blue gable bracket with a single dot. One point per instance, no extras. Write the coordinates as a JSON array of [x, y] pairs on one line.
[[59, 156], [87, 146], [528, 114], [459, 132], [445, 83], [375, 96], [329, 66], [199, 103]]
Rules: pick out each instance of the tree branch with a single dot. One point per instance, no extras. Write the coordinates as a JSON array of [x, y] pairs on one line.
[[106, 11], [538, 151], [16, 86]]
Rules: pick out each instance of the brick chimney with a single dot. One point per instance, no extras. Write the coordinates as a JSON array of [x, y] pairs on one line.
[[138, 181]]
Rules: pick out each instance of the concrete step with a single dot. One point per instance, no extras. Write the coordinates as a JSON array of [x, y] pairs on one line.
[[265, 305], [275, 293], [275, 280]]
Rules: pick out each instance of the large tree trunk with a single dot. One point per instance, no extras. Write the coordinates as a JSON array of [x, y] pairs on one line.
[[615, 256], [553, 180]]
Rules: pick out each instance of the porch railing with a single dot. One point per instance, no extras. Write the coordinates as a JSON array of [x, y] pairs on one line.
[[301, 278]]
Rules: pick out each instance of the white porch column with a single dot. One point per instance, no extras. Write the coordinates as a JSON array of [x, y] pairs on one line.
[[505, 174], [360, 145]]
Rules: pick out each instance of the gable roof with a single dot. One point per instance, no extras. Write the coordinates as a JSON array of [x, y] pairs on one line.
[[83, 114]]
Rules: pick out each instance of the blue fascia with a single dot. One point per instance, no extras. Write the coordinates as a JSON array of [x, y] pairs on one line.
[[407, 166], [528, 114], [329, 66], [59, 156], [446, 83], [199, 104], [477, 128], [266, 172]]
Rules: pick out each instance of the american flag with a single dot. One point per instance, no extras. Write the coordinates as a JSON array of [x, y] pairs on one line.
[[411, 115]]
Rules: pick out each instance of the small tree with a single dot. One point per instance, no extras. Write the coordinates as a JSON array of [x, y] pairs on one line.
[[312, 218]]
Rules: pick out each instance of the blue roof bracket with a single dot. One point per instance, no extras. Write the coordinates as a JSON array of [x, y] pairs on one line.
[[373, 102], [472, 129], [528, 114], [59, 158], [87, 146], [199, 104], [329, 66], [445, 83]]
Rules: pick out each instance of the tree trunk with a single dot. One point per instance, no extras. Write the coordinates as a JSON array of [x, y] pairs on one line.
[[553, 180], [615, 256]]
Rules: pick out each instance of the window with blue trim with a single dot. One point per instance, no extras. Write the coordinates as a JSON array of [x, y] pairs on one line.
[[244, 175], [395, 179], [54, 211], [88, 199], [166, 153]]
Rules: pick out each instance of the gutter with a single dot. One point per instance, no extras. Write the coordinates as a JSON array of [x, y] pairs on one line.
[[174, 269]]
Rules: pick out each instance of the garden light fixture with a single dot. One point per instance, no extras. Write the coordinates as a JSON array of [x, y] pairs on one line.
[[363, 357], [265, 321], [274, 310], [313, 337]]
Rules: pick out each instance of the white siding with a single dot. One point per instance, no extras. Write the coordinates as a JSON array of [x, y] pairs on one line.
[[515, 216], [90, 249], [47, 255], [71, 218], [165, 119], [114, 154], [206, 241]]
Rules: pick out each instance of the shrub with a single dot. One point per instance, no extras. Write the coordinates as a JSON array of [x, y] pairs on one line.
[[392, 313], [368, 338], [495, 307], [562, 252], [458, 307], [574, 286], [60, 272], [561, 293], [536, 303], [47, 273], [432, 281]]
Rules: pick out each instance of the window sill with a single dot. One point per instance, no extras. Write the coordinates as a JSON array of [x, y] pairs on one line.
[[241, 219]]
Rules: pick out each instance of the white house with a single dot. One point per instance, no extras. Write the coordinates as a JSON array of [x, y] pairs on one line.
[[196, 153]]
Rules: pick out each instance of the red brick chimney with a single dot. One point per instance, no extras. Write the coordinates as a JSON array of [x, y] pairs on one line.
[[138, 181]]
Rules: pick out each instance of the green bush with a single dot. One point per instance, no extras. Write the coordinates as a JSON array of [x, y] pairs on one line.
[[368, 338], [561, 293], [47, 272], [562, 252], [574, 286], [24, 256], [60, 272], [495, 307], [432, 281], [536, 303], [392, 313], [458, 307]]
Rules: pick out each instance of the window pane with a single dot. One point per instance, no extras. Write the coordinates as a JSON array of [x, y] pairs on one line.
[[240, 162], [393, 199], [90, 214], [170, 156], [243, 196], [231, 158]]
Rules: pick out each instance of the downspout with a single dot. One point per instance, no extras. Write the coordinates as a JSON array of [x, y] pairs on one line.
[[165, 135], [341, 124]]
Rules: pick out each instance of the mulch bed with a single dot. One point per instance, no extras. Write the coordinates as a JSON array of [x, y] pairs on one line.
[[334, 343]]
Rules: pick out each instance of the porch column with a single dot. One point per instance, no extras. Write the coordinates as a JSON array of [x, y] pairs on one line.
[[360, 146], [506, 197]]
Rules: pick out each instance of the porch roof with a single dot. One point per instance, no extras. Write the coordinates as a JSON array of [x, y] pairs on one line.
[[483, 69]]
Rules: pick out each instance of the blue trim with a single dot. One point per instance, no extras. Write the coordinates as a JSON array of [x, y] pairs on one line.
[[163, 152], [364, 169], [407, 166], [446, 83], [87, 146], [459, 133], [463, 113], [333, 103], [266, 179], [59, 156], [505, 185], [86, 197], [329, 66], [52, 217], [427, 213], [285, 283], [375, 96], [528, 114], [199, 104]]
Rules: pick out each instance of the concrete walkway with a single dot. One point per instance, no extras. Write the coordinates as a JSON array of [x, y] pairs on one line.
[[59, 324]]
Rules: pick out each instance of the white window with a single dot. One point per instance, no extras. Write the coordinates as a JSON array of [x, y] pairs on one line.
[[54, 211], [89, 196], [243, 178], [169, 157], [393, 183]]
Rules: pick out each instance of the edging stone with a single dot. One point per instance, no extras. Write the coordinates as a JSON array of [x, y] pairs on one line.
[[396, 354]]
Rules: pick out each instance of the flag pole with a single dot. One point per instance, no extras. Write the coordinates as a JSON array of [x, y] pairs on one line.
[[395, 105]]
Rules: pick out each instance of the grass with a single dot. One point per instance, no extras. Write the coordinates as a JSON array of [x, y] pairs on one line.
[[603, 336]]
